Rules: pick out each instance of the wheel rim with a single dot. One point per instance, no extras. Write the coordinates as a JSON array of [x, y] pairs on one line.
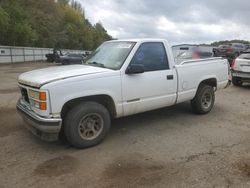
[[90, 126], [206, 100]]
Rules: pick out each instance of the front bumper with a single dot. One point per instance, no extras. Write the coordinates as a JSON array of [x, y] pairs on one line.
[[45, 128], [243, 75]]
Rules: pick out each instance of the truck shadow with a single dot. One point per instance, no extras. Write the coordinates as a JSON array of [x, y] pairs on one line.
[[155, 117], [157, 121]]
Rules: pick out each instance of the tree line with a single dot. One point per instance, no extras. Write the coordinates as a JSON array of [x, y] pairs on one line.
[[229, 42], [48, 23]]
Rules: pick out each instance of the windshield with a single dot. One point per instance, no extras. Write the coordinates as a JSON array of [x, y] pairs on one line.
[[110, 55], [245, 56], [224, 46]]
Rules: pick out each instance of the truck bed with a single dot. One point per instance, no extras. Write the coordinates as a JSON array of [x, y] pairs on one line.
[[191, 73]]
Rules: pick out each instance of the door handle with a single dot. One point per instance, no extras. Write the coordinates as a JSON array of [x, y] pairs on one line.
[[170, 77]]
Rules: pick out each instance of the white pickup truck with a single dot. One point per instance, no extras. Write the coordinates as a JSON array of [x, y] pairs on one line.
[[120, 78]]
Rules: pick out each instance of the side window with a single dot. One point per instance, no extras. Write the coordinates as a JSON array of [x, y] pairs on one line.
[[152, 55]]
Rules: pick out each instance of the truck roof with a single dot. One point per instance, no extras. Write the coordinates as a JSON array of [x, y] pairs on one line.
[[141, 40]]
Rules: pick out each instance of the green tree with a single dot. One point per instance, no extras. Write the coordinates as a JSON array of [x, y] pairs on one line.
[[19, 30], [100, 34], [4, 23], [48, 23], [64, 2], [77, 6], [229, 41]]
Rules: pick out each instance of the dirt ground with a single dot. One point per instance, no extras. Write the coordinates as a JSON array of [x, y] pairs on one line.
[[170, 147]]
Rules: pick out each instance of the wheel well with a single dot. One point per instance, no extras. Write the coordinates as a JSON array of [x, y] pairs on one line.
[[105, 100], [211, 82]]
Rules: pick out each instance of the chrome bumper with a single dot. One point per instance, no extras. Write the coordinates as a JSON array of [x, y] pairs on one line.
[[240, 74], [45, 128]]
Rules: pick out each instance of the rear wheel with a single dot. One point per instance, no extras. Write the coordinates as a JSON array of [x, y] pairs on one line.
[[65, 62], [236, 81], [204, 99], [86, 124], [49, 59]]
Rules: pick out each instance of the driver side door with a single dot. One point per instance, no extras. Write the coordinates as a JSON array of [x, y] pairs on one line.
[[154, 88]]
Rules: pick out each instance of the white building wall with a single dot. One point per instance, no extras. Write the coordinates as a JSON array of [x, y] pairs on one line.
[[13, 54]]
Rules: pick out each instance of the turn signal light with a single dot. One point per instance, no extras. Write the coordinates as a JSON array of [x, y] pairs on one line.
[[42, 96], [42, 106]]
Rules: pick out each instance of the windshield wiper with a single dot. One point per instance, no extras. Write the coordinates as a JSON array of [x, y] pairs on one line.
[[96, 64]]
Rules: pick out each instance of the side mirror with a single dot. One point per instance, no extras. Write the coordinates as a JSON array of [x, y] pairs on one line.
[[135, 69]]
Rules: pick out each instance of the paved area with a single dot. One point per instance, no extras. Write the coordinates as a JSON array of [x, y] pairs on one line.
[[170, 147]]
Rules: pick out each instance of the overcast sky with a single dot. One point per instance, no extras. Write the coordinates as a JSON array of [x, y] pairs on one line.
[[179, 21]]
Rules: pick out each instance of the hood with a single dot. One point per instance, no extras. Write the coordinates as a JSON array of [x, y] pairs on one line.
[[242, 65], [37, 78]]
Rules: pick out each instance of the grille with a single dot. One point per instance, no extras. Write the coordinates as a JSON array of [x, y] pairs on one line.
[[25, 94]]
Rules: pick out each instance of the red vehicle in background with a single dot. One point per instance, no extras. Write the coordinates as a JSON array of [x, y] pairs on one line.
[[195, 53], [231, 51]]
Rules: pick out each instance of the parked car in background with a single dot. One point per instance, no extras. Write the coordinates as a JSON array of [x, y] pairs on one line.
[[241, 69], [229, 50], [247, 46], [193, 53], [180, 48], [71, 59], [51, 57]]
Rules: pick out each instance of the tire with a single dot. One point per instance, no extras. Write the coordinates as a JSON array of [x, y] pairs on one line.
[[49, 59], [203, 101], [65, 62], [236, 81], [86, 124]]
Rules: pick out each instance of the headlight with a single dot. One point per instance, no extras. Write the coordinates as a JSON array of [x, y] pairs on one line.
[[38, 99], [33, 94], [37, 95]]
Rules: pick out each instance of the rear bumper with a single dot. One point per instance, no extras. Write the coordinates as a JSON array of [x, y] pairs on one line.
[[45, 128]]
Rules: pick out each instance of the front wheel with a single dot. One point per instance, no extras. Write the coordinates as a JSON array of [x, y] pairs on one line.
[[236, 81], [203, 101], [65, 62], [86, 124]]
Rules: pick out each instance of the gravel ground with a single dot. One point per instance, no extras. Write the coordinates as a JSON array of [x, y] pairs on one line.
[[170, 147]]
